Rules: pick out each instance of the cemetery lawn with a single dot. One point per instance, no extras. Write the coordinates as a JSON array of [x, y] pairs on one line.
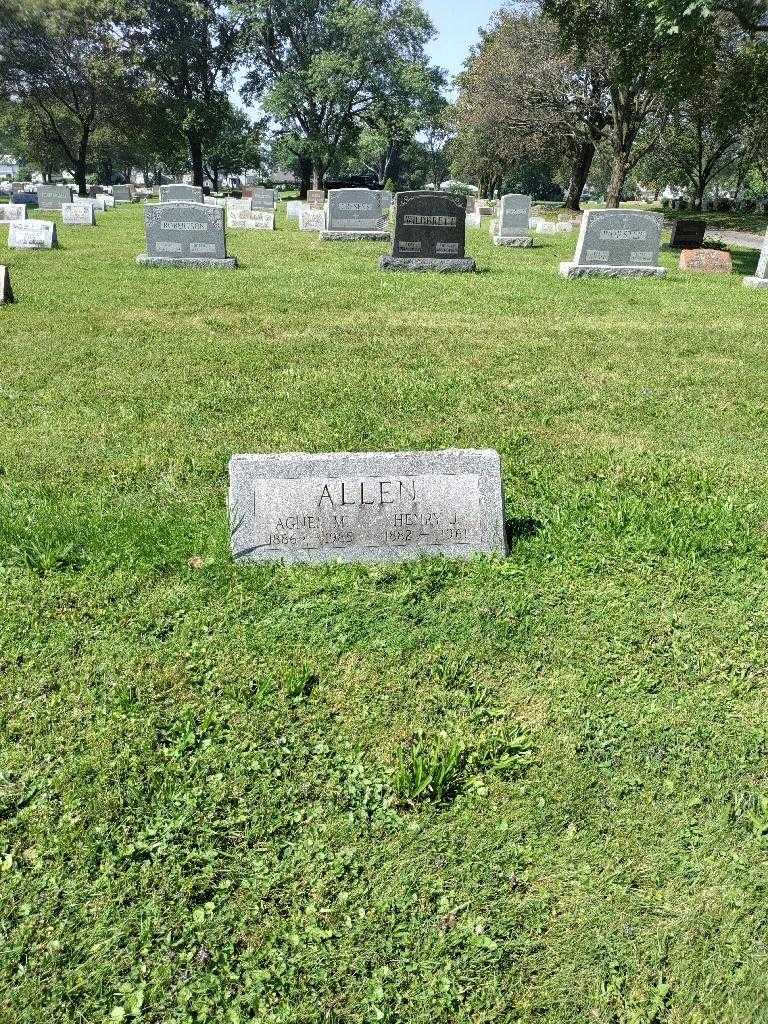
[[519, 790]]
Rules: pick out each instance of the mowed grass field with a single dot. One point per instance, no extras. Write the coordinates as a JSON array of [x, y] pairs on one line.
[[530, 790]]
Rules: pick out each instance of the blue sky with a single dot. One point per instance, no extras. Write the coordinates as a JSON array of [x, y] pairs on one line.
[[457, 22]]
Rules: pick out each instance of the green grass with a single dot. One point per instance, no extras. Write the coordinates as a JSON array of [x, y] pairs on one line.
[[529, 791]]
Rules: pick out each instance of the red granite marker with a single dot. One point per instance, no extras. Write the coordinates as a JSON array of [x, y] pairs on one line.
[[707, 261]]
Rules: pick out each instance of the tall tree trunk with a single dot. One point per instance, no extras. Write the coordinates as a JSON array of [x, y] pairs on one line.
[[196, 156], [81, 164], [582, 165], [305, 173], [318, 173], [618, 178]]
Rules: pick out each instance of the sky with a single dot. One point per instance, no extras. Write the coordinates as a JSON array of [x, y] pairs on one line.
[[457, 23]]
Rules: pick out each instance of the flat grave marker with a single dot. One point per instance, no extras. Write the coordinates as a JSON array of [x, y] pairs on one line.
[[185, 235], [353, 214], [512, 227], [370, 507], [430, 234], [617, 243], [32, 234], [760, 278], [79, 214]]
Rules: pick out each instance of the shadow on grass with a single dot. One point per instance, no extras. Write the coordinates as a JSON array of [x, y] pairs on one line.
[[745, 261], [520, 529]]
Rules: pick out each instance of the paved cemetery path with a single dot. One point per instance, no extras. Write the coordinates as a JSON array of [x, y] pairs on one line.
[[747, 239]]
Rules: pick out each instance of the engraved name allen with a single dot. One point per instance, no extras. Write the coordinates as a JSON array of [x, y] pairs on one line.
[[346, 494], [412, 220]]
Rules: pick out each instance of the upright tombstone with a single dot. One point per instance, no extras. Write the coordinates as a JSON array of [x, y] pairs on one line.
[[293, 208], [123, 193], [429, 234], [688, 234], [25, 199], [312, 219], [474, 217], [355, 213], [760, 279], [372, 507], [316, 198], [32, 234], [617, 243], [181, 194], [12, 211], [263, 199], [513, 224], [51, 197], [386, 202], [248, 219], [97, 202], [80, 214], [6, 292], [185, 235]]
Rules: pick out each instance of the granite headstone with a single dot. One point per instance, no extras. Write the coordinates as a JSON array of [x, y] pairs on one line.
[[316, 198], [371, 507], [32, 234], [760, 278], [429, 233], [81, 214], [181, 194], [12, 211], [355, 213], [512, 226], [688, 234], [185, 235], [706, 261], [253, 220], [123, 193], [617, 243], [51, 197]]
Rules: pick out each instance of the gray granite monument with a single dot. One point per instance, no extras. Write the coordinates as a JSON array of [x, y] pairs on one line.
[[371, 507], [355, 213], [760, 279], [185, 235], [181, 194], [50, 197], [82, 214], [263, 199], [316, 198], [512, 227], [32, 234], [617, 243], [430, 234], [123, 193]]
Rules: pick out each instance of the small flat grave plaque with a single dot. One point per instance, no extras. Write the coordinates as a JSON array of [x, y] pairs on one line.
[[616, 243], [185, 235], [181, 194], [688, 234], [430, 233], [81, 214], [706, 261], [32, 234], [372, 507], [760, 279]]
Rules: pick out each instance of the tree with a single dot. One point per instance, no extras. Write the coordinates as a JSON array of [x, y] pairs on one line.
[[233, 145], [67, 67], [190, 50], [320, 66]]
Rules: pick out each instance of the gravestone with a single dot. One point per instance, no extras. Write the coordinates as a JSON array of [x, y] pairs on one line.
[[81, 214], [372, 507], [706, 261], [6, 292], [617, 243], [386, 202], [181, 194], [50, 197], [293, 208], [429, 234], [760, 279], [109, 202], [263, 199], [253, 220], [122, 193], [312, 219], [32, 234], [17, 186], [97, 202], [512, 226], [688, 234], [185, 235], [25, 199], [355, 213], [12, 211], [316, 198]]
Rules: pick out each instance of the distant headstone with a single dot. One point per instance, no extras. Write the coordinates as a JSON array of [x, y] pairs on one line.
[[429, 233], [355, 213], [185, 235], [688, 234], [316, 198], [760, 279], [386, 202], [12, 211], [293, 208], [181, 194], [617, 243], [372, 507], [51, 197], [123, 193], [97, 202], [263, 199], [706, 261], [512, 226], [17, 186], [312, 219], [82, 214], [253, 220], [25, 199], [32, 234], [6, 292]]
